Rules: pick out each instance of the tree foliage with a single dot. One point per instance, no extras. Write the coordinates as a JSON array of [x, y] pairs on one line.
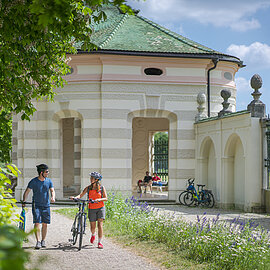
[[161, 137], [5, 136], [35, 38]]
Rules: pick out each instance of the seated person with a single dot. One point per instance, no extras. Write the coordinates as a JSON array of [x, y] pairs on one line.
[[156, 181], [139, 184], [147, 181]]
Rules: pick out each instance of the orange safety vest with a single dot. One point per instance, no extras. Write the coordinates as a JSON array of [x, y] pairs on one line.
[[94, 194]]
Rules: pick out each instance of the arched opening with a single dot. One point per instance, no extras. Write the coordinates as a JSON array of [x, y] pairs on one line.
[[208, 168], [235, 172], [149, 154], [71, 155]]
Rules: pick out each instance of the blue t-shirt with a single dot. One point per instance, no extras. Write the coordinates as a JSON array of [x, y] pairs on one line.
[[41, 191]]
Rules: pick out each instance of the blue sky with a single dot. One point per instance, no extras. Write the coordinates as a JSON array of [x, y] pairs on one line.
[[237, 27]]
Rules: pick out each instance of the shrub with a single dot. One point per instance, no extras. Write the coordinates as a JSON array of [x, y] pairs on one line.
[[12, 256]]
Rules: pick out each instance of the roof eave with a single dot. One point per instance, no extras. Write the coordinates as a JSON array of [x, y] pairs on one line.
[[221, 57]]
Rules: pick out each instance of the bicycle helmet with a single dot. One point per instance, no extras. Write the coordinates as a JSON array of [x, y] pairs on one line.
[[41, 168], [96, 175]]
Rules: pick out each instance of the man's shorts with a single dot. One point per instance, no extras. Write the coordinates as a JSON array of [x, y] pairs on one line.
[[41, 214], [95, 214]]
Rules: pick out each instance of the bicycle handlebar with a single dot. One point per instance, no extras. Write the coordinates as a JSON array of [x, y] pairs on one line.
[[191, 181], [81, 200]]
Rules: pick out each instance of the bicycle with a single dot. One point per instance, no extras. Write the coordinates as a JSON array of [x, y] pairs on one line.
[[190, 184], [204, 197], [79, 224]]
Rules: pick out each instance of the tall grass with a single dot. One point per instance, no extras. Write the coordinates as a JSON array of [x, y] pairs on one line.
[[223, 245]]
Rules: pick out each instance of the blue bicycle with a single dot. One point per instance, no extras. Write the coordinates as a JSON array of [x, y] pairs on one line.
[[203, 196], [190, 187]]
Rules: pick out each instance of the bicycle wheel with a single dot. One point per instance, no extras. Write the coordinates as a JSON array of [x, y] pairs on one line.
[[207, 199], [181, 197], [81, 225], [188, 198], [211, 200], [74, 230]]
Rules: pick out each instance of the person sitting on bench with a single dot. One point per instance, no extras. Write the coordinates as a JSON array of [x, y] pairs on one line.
[[147, 181], [157, 182]]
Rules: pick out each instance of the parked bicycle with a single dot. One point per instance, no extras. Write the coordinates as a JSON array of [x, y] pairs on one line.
[[190, 187], [79, 224], [203, 196]]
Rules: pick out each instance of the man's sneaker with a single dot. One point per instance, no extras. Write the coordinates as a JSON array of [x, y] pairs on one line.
[[38, 245], [92, 239], [43, 244], [100, 246]]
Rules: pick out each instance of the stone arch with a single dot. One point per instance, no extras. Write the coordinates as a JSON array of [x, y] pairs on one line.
[[154, 113], [234, 172], [208, 165], [66, 114]]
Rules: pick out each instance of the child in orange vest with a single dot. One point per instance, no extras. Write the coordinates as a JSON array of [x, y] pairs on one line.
[[96, 211]]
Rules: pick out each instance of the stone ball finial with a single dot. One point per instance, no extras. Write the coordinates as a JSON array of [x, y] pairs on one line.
[[256, 82], [201, 98], [225, 94]]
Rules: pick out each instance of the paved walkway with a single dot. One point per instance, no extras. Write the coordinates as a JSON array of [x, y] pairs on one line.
[[61, 255]]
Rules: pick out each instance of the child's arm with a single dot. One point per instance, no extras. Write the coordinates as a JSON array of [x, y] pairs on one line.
[[80, 195], [104, 196]]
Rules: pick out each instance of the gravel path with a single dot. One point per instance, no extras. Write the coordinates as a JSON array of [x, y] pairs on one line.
[[190, 214], [61, 255]]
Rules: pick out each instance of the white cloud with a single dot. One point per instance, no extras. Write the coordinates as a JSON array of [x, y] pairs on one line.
[[242, 85], [245, 25], [255, 55], [234, 14]]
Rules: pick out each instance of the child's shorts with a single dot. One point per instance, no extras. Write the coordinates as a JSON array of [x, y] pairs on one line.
[[95, 214]]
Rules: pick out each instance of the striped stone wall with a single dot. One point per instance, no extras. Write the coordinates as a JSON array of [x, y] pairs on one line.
[[103, 95]]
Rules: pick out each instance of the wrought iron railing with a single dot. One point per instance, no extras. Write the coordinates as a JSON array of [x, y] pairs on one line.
[[160, 158]]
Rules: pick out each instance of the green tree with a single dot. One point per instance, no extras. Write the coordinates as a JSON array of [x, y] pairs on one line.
[[35, 38], [5, 135]]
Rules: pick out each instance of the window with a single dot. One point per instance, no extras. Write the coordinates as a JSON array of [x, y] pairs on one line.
[[153, 71]]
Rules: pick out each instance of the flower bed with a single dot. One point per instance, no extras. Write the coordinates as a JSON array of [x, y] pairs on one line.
[[224, 245]]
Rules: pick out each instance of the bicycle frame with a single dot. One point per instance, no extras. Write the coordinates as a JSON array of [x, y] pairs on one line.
[[79, 224]]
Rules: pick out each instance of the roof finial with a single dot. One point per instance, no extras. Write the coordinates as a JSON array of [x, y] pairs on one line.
[[201, 99], [256, 107], [226, 94]]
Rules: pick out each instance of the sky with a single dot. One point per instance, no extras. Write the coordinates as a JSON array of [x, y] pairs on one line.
[[236, 27]]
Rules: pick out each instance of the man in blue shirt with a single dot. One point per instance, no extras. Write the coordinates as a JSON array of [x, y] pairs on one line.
[[40, 185]]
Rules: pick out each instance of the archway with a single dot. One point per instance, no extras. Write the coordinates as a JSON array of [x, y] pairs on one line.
[[143, 130], [234, 172], [208, 166], [70, 149]]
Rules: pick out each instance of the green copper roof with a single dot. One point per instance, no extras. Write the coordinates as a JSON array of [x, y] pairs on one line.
[[134, 33]]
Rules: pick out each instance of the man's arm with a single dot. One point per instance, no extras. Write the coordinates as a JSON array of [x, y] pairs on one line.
[[52, 195], [25, 194]]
